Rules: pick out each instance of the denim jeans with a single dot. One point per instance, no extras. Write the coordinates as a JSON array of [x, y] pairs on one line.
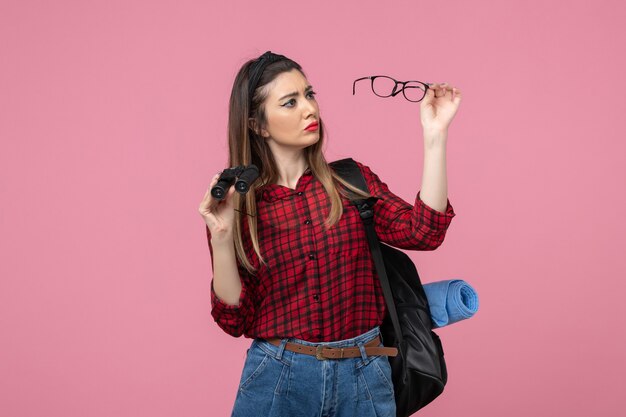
[[279, 383]]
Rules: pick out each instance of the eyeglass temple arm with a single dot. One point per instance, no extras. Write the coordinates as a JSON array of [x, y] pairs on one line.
[[359, 79]]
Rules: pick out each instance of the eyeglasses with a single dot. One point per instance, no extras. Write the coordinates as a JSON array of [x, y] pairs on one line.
[[384, 86]]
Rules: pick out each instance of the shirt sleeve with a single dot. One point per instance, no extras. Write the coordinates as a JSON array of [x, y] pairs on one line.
[[406, 226], [233, 319]]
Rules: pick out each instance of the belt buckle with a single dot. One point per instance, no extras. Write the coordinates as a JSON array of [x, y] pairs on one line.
[[318, 353]]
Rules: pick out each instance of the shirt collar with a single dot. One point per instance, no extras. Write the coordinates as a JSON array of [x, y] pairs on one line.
[[272, 192]]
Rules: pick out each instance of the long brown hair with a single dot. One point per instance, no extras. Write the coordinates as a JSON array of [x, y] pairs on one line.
[[247, 147]]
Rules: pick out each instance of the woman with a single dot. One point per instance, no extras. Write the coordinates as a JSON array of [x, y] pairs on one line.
[[291, 265]]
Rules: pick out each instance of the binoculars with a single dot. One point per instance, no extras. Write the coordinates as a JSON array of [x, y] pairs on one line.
[[242, 176]]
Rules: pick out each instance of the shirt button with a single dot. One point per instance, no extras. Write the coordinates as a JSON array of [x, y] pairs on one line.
[[311, 256], [299, 192], [307, 221], [316, 297]]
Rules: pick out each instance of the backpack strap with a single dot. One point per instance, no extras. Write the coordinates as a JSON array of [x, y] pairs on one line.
[[349, 170]]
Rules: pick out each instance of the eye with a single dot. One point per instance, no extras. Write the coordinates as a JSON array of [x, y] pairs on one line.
[[311, 93]]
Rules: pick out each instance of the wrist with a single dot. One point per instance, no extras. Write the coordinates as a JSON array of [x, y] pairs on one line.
[[435, 133], [435, 142], [222, 241]]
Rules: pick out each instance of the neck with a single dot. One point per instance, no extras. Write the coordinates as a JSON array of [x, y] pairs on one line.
[[290, 172]]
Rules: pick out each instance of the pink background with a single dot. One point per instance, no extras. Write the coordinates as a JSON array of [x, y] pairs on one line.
[[113, 120]]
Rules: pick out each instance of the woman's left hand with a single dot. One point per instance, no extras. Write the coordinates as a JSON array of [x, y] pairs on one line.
[[438, 107]]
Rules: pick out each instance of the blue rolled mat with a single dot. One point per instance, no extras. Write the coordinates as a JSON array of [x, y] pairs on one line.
[[450, 301]]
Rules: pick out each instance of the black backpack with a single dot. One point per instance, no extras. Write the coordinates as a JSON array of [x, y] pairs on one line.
[[419, 370]]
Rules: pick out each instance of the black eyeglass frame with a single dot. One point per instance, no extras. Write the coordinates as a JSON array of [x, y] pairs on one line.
[[395, 91]]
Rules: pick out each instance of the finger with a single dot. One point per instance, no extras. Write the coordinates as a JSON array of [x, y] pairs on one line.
[[229, 196], [214, 181], [436, 87], [226, 199], [208, 201], [444, 88], [215, 178], [457, 95], [211, 184], [428, 97]]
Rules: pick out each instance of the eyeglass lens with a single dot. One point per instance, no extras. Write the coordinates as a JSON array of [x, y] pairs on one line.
[[384, 87]]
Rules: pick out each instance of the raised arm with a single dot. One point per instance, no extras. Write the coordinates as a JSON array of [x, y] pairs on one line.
[[416, 227]]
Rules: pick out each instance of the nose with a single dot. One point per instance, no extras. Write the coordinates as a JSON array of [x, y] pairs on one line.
[[309, 109]]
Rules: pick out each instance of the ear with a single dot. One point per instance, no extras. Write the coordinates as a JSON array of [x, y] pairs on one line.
[[252, 124]]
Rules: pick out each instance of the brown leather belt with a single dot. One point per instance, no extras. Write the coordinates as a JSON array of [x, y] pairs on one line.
[[323, 352]]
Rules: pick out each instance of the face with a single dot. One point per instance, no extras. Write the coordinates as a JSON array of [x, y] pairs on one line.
[[289, 108]]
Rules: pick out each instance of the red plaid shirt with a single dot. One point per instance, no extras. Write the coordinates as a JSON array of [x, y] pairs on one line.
[[321, 285]]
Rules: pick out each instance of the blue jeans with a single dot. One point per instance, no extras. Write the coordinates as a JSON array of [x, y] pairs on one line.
[[279, 383]]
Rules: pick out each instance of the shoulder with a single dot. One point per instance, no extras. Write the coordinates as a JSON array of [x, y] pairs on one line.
[[362, 165], [368, 172], [375, 185]]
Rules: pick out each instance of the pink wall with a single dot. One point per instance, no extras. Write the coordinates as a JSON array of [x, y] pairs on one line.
[[113, 120]]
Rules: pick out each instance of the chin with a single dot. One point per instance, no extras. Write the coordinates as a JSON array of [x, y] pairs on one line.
[[315, 140]]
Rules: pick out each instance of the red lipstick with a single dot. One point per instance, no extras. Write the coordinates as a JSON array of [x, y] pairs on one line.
[[313, 126]]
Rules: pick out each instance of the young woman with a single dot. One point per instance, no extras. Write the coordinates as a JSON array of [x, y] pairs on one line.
[[292, 269]]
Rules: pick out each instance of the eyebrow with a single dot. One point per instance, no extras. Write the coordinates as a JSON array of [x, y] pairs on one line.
[[295, 93]]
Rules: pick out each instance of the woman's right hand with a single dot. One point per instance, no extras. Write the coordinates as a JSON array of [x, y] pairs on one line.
[[219, 215]]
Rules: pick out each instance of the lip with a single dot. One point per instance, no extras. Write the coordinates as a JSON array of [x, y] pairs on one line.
[[312, 126]]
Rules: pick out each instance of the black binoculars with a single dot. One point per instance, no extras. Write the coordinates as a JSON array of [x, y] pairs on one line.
[[244, 176]]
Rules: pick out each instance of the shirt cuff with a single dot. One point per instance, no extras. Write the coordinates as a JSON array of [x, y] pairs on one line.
[[434, 219], [226, 311]]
